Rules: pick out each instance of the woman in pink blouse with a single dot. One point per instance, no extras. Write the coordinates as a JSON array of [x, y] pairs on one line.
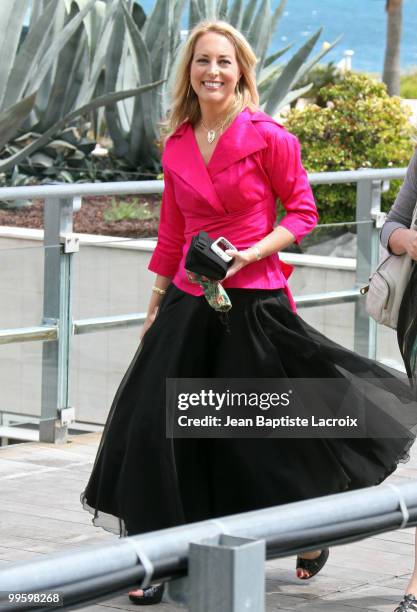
[[225, 164]]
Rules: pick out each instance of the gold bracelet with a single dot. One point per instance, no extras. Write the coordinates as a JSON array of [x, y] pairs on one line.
[[257, 252], [158, 290]]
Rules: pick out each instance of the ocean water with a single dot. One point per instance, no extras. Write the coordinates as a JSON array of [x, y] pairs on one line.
[[361, 22]]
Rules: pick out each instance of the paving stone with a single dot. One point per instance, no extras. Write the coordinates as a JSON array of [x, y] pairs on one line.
[[368, 597], [383, 546], [96, 608], [122, 602], [399, 535]]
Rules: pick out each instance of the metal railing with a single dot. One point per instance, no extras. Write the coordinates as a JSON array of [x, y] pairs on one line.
[[60, 245], [199, 559]]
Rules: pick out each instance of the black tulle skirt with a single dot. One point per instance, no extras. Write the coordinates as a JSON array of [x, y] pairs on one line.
[[143, 481]]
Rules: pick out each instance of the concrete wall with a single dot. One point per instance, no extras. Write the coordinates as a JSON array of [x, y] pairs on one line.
[[111, 277]]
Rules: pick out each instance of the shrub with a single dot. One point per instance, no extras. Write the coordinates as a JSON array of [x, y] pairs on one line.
[[409, 85], [360, 127]]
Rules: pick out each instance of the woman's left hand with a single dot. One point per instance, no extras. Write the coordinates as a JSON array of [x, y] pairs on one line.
[[241, 259]]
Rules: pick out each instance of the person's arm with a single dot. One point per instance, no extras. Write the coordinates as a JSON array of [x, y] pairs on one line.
[[396, 235], [168, 251], [290, 184], [161, 284]]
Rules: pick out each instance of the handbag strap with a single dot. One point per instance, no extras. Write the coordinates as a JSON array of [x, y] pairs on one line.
[[414, 218]]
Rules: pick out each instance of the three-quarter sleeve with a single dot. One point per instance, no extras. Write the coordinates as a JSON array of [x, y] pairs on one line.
[[168, 251], [290, 184], [401, 212]]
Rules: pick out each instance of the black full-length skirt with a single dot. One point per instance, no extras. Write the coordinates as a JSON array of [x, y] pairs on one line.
[[143, 481]]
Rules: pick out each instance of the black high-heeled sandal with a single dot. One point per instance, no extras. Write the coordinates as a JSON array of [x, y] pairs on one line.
[[408, 604], [151, 595], [312, 566]]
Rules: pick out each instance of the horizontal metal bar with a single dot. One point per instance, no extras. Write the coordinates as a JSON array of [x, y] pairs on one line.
[[326, 299], [81, 189], [81, 326], [147, 187], [19, 433], [89, 563], [86, 326], [354, 176], [28, 334]]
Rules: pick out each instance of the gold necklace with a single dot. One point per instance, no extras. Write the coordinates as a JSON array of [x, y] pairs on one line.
[[212, 133]]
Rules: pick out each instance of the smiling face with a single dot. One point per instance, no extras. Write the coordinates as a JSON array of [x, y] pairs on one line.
[[214, 70]]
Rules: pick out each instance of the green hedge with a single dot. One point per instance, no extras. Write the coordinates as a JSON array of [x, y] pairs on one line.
[[409, 85], [360, 127]]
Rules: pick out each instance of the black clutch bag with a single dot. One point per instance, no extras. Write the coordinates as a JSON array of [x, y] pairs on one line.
[[207, 257]]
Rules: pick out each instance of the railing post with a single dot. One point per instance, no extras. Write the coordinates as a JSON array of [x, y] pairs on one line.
[[225, 574], [368, 206], [59, 248]]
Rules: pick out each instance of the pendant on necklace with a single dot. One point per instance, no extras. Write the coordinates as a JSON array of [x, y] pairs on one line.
[[211, 135]]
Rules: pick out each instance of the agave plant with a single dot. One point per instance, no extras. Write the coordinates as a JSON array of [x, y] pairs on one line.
[[143, 51], [54, 70]]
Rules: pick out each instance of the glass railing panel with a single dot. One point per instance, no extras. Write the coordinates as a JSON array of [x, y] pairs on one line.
[[325, 260], [21, 305], [99, 362], [331, 240], [387, 348], [111, 277], [336, 321]]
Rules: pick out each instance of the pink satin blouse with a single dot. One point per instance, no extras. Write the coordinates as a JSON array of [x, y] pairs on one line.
[[255, 162]]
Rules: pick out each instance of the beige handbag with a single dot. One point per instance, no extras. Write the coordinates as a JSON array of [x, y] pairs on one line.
[[387, 284]]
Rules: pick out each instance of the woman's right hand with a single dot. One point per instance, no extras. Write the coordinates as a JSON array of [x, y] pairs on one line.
[[147, 323], [158, 291]]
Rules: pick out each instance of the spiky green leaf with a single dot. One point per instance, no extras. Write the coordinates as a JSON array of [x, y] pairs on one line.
[[194, 15], [110, 98], [144, 115], [13, 13], [222, 9], [58, 43], [267, 79], [65, 86], [155, 22], [92, 23], [28, 56], [235, 14], [248, 17], [274, 56], [276, 16], [307, 66], [289, 75], [260, 32], [92, 78], [12, 118]]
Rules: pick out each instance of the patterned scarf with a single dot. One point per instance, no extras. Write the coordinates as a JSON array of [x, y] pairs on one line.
[[214, 293]]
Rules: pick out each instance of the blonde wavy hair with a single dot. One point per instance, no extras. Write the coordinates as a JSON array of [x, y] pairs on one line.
[[185, 106]]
